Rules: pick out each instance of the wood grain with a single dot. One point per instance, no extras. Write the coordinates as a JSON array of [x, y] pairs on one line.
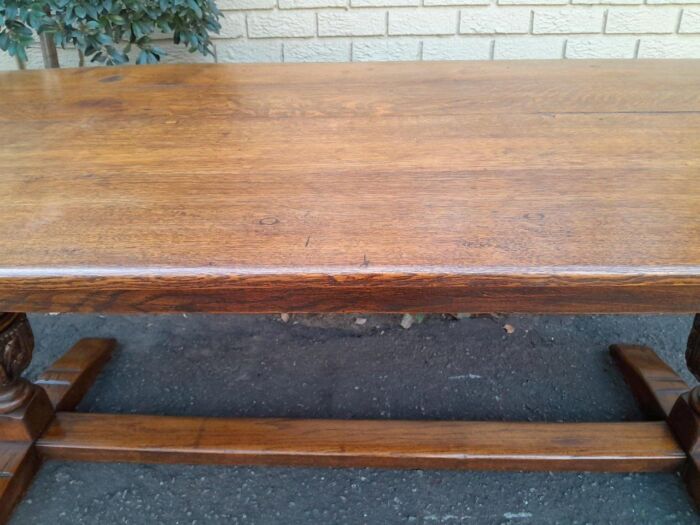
[[684, 422], [412, 444], [655, 385], [68, 379], [17, 345], [18, 464], [662, 394], [548, 186]]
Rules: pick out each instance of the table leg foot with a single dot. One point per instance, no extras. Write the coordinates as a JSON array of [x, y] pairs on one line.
[[662, 394], [685, 425], [655, 385], [26, 408], [692, 353], [25, 411], [18, 464]]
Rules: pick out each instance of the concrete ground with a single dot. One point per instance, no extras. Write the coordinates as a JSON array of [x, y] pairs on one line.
[[547, 369]]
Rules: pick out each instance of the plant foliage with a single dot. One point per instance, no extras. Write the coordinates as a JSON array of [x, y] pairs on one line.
[[107, 30]]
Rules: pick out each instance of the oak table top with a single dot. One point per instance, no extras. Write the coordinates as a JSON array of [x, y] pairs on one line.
[[535, 186]]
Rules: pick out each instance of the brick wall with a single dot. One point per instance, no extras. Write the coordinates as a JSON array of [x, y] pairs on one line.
[[344, 30]]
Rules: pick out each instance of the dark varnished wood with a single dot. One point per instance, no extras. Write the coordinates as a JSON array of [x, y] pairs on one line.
[[655, 385], [664, 395], [18, 464], [413, 444], [692, 353], [684, 422], [28, 421], [525, 187], [68, 379], [16, 347], [24, 407], [613, 447]]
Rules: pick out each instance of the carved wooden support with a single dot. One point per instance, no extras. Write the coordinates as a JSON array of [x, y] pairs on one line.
[[16, 347], [25, 409], [28, 409], [663, 394], [685, 424], [692, 353]]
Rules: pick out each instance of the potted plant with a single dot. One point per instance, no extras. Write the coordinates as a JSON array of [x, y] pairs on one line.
[[106, 31]]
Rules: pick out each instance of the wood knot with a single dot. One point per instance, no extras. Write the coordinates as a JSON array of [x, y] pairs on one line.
[[111, 78]]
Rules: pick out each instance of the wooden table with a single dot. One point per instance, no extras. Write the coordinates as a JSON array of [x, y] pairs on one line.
[[542, 187]]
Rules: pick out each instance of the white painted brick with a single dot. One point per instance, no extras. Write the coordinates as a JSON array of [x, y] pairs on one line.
[[66, 57], [7, 63], [299, 24], [249, 51], [669, 47], [528, 47], [352, 23], [331, 50], [607, 2], [494, 20], [310, 4], [423, 21], [664, 2], [320, 30], [385, 3], [532, 2], [690, 23], [225, 5], [641, 20], [455, 2], [175, 54], [601, 47], [385, 50], [232, 25], [457, 49], [570, 20]]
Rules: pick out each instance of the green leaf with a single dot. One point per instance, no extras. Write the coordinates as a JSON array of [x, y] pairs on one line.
[[193, 5], [104, 30], [143, 57]]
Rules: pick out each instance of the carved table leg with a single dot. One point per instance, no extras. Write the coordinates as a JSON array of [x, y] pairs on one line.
[[663, 394], [16, 345], [25, 411], [692, 353], [685, 416]]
